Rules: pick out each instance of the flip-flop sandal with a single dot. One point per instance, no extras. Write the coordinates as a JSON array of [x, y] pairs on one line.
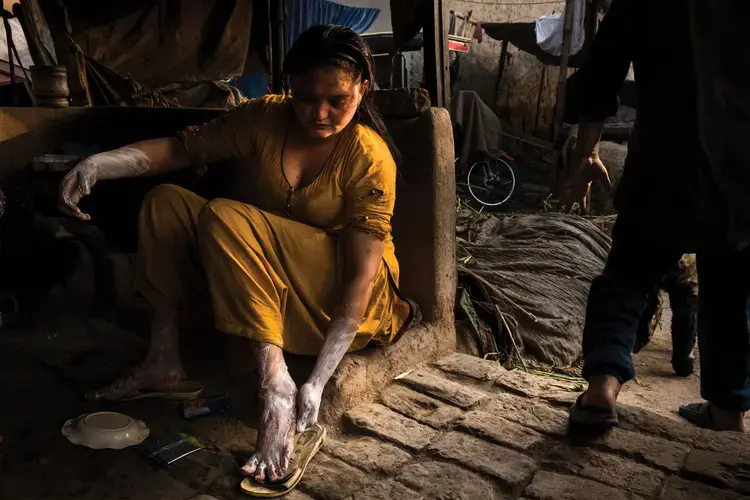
[[698, 414], [185, 391], [306, 445], [591, 417]]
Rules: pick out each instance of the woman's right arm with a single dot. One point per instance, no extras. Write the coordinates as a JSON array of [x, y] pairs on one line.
[[214, 141], [142, 158]]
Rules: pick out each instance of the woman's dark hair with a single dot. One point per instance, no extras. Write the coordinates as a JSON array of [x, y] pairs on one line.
[[340, 47]]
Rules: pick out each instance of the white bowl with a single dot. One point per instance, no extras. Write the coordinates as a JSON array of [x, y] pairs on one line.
[[105, 430]]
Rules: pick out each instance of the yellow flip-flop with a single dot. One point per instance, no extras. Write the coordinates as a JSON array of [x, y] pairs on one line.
[[306, 445]]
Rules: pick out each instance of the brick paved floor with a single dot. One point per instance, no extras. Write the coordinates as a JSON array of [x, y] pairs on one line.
[[464, 428]]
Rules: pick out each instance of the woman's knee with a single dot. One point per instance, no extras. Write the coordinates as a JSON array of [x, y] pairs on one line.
[[223, 217], [165, 195], [218, 213], [168, 208]]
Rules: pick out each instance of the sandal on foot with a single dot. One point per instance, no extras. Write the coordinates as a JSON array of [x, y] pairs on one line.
[[698, 414], [592, 417], [184, 391], [306, 445]]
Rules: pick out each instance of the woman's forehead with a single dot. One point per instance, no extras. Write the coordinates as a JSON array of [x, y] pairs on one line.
[[326, 81]]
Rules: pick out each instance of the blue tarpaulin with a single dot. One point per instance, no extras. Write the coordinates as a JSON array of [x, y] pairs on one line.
[[304, 14]]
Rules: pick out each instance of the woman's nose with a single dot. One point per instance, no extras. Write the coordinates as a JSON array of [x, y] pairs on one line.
[[320, 113]]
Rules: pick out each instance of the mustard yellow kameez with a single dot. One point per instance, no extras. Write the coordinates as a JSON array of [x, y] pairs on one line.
[[273, 268]]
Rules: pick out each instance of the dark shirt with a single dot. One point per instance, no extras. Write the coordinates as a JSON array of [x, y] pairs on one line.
[[719, 30], [665, 182]]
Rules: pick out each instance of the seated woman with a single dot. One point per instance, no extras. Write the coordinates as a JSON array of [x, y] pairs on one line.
[[308, 268]]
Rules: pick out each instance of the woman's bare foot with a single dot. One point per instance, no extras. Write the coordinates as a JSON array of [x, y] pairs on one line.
[[276, 434], [162, 368], [149, 375]]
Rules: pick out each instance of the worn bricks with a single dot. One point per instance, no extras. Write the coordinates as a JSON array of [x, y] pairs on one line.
[[535, 386], [676, 488], [552, 486], [420, 407], [447, 481], [529, 413], [643, 447], [368, 454], [471, 367], [498, 429], [638, 419], [330, 479], [621, 473], [385, 423], [510, 467], [430, 381], [731, 443], [725, 470], [386, 490]]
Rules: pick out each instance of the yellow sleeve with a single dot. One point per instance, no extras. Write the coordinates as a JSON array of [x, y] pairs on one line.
[[234, 134], [370, 191]]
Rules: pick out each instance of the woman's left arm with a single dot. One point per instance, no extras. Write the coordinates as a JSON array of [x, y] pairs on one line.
[[370, 194], [363, 256]]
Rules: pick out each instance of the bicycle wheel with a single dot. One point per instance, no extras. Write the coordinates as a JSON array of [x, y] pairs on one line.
[[491, 182]]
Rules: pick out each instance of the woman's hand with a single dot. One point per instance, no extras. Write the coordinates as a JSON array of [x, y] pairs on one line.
[[578, 185], [75, 186], [142, 158], [308, 405]]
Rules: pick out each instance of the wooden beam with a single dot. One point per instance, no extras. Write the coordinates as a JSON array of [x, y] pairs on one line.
[[436, 56]]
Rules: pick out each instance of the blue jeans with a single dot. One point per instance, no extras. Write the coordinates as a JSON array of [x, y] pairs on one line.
[[635, 267]]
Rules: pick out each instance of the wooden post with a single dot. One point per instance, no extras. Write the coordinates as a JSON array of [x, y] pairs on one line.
[[436, 57], [277, 13], [11, 57], [563, 78]]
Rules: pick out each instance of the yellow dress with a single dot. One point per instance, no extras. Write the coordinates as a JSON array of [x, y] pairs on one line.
[[273, 267]]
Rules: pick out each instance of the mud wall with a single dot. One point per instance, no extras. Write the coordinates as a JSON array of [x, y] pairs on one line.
[[520, 100], [524, 75]]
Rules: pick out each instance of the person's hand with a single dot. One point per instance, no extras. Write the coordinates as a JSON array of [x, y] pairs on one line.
[[308, 405], [75, 185], [578, 185]]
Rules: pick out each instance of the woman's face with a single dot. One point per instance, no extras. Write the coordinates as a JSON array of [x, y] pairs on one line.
[[326, 99]]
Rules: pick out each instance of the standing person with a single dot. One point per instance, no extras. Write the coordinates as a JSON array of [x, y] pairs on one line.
[[309, 268], [668, 202], [680, 285], [723, 73]]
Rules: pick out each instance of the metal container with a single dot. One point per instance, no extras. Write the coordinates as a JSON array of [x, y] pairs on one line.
[[54, 163], [49, 84]]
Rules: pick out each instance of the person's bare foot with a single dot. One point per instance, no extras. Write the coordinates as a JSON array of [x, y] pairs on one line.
[[602, 392], [276, 434], [724, 420], [149, 375]]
